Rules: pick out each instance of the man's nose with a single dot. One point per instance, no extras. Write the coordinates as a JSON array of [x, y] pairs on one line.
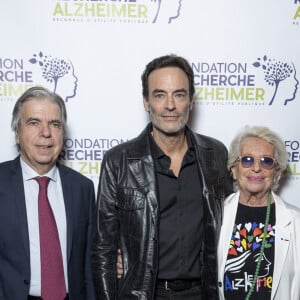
[[170, 102], [45, 130]]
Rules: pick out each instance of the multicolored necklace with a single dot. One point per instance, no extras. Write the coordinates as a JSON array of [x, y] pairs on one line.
[[264, 241]]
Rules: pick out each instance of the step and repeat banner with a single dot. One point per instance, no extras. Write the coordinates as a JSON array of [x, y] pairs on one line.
[[245, 55]]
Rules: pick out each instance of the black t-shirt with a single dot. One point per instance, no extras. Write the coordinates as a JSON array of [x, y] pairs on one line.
[[244, 251]]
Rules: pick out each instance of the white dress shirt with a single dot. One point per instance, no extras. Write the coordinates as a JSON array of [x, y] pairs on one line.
[[55, 195]]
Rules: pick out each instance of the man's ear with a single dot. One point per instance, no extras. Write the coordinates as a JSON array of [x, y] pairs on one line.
[[146, 104], [17, 138], [191, 104]]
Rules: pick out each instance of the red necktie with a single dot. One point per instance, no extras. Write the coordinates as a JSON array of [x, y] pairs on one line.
[[52, 273]]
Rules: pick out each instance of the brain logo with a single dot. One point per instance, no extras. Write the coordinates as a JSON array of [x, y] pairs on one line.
[[59, 72], [275, 72]]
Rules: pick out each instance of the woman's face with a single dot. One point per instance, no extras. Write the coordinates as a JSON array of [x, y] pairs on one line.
[[254, 179]]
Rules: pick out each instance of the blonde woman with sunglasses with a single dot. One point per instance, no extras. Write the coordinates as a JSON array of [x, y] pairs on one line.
[[259, 245]]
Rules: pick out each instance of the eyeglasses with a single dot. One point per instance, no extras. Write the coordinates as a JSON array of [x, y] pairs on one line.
[[266, 162]]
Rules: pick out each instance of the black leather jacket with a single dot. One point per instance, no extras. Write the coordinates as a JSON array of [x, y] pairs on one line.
[[128, 216]]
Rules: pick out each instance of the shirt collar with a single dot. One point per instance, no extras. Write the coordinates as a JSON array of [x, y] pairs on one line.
[[158, 153], [29, 173]]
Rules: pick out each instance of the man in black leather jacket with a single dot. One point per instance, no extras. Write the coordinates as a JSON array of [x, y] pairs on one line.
[[160, 199]]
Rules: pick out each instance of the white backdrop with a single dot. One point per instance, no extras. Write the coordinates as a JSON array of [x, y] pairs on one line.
[[245, 55]]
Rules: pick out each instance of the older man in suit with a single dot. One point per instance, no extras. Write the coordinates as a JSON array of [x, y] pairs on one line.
[[46, 209]]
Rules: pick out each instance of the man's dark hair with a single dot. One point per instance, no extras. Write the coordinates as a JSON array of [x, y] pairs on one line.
[[171, 60]]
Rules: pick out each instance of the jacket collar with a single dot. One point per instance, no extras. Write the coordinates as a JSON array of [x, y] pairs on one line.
[[144, 142]]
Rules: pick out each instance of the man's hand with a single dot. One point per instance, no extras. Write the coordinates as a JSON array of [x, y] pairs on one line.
[[119, 264]]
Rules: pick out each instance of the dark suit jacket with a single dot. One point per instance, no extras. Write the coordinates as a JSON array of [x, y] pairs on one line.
[[79, 197]]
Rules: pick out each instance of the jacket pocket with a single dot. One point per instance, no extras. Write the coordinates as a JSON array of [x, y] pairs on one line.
[[130, 199], [130, 206]]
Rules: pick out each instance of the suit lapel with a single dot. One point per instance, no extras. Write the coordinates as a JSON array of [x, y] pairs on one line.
[[151, 188], [282, 241], [230, 209], [139, 158], [67, 194], [208, 168], [148, 182], [19, 198]]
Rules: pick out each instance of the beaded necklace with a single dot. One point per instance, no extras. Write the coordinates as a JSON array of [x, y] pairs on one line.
[[264, 241]]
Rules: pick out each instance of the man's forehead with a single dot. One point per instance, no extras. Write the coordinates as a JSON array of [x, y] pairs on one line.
[[40, 106], [167, 70], [169, 75]]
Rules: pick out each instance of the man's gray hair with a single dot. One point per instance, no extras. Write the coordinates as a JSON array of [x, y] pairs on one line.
[[37, 93]]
